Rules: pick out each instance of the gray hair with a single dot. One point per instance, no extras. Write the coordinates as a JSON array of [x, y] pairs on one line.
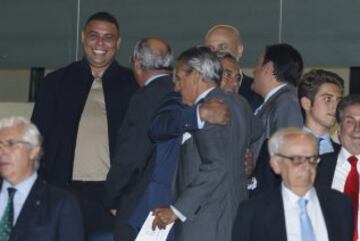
[[31, 134], [204, 61], [151, 59], [278, 139], [350, 100]]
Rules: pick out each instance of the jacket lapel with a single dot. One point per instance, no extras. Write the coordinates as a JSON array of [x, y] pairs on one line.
[[29, 210]]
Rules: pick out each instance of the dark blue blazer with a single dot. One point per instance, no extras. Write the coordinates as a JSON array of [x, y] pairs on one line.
[[326, 169], [48, 214], [58, 109], [169, 123], [263, 218]]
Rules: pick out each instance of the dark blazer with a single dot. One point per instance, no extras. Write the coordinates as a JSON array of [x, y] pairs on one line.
[[125, 180], [171, 120], [58, 109], [210, 176], [281, 110], [251, 96], [263, 218], [326, 169], [48, 214]]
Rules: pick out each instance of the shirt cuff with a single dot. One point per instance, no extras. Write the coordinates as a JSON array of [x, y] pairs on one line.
[[199, 121], [178, 213]]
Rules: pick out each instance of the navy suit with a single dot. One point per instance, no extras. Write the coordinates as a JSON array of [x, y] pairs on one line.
[[326, 169], [263, 218], [169, 123], [48, 214]]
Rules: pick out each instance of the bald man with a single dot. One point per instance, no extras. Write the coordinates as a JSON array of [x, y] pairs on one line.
[[227, 38]]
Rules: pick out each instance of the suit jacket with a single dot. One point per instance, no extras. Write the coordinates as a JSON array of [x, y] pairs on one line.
[[58, 109], [125, 181], [263, 218], [326, 169], [48, 214], [210, 176], [281, 110], [251, 96]]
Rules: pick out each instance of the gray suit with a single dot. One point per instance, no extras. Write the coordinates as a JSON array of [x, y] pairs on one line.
[[210, 175], [281, 110]]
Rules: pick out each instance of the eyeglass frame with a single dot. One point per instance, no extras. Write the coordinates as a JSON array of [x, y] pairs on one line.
[[9, 144], [298, 160]]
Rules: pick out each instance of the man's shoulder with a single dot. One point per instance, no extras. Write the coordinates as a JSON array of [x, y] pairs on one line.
[[52, 194], [334, 196]]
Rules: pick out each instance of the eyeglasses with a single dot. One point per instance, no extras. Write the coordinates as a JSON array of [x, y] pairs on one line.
[[228, 74], [9, 144], [298, 160]]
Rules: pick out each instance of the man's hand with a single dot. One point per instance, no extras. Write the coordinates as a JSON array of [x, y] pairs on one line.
[[248, 162], [163, 217], [214, 111]]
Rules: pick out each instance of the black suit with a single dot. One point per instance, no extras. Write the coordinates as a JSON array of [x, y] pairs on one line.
[[57, 112], [58, 108], [326, 169], [48, 214], [245, 90], [263, 218], [125, 181]]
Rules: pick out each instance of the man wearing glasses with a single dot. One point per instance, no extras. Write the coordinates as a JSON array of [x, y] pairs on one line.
[[31, 209], [296, 210]]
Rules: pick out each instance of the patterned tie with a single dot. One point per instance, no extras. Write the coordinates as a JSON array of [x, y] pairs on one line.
[[352, 189], [7, 219], [307, 232]]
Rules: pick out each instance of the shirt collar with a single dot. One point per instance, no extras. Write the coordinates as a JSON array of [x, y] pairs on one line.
[[344, 155], [148, 81], [23, 187], [203, 95], [273, 91], [291, 198], [325, 136]]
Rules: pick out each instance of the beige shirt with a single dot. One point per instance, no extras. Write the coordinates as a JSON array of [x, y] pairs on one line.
[[92, 158]]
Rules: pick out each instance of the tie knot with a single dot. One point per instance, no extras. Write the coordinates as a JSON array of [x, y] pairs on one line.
[[11, 192], [302, 202], [353, 160]]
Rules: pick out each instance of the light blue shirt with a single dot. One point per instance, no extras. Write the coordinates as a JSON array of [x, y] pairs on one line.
[[21, 194]]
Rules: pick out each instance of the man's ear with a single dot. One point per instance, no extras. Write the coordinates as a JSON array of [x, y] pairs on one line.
[[240, 51], [34, 152], [305, 103], [275, 164], [118, 42]]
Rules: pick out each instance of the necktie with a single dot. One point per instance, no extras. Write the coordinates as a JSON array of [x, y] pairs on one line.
[[352, 189], [307, 232], [7, 219]]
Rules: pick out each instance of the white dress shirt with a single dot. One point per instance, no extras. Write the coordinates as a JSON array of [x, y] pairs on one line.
[[292, 212], [22, 192], [342, 170]]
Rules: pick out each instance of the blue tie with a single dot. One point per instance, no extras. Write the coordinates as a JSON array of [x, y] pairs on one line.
[[307, 232]]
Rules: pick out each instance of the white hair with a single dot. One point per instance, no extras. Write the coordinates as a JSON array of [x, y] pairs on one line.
[[31, 133], [278, 139]]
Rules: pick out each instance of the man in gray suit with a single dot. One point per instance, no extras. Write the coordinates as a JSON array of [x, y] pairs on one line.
[[210, 176], [276, 76]]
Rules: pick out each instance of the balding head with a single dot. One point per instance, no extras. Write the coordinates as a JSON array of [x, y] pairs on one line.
[[151, 56], [225, 38]]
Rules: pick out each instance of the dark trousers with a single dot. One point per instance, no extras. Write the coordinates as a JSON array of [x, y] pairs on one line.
[[96, 216]]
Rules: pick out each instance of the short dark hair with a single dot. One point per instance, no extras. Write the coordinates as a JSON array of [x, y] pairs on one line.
[[347, 101], [311, 82], [287, 61], [103, 16]]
